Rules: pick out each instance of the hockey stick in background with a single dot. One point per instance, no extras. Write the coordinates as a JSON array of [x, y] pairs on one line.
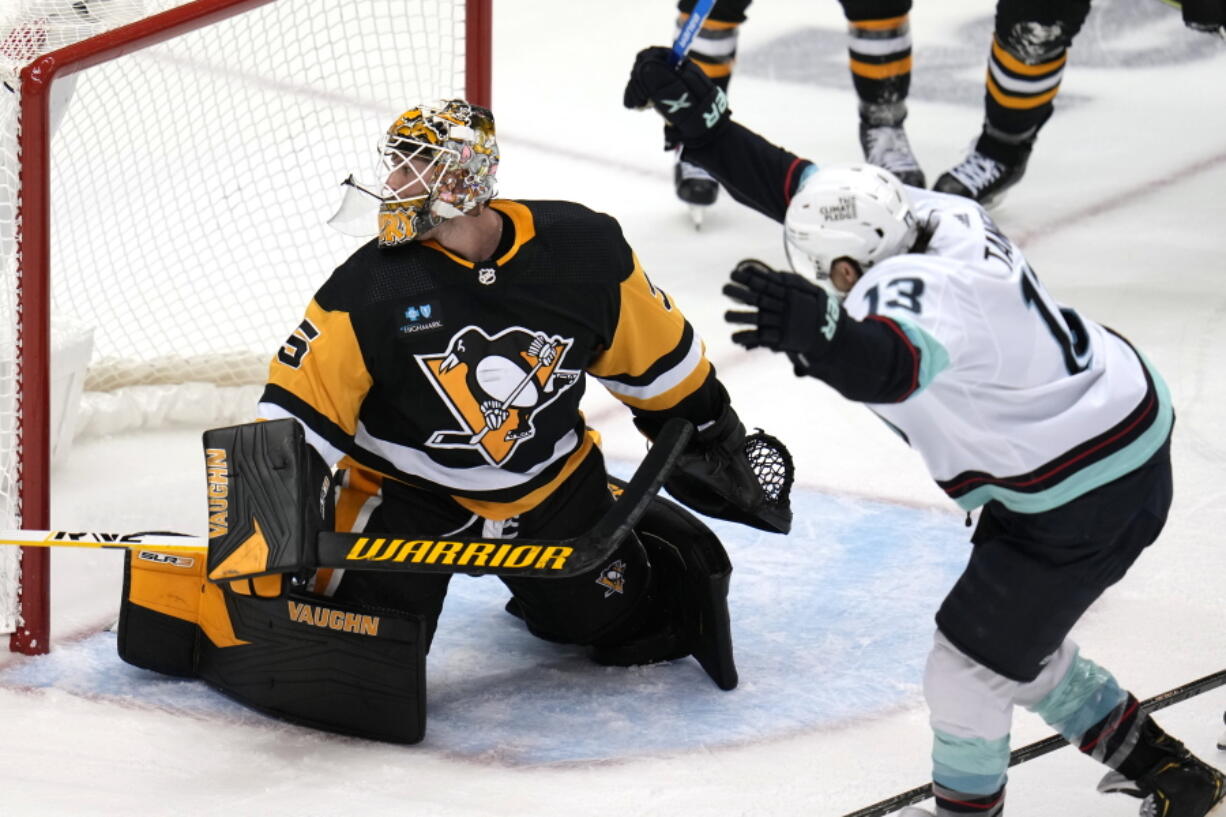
[[681, 46], [1049, 744], [537, 558], [685, 37]]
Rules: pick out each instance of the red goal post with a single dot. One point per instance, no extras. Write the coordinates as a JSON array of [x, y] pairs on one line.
[[318, 53]]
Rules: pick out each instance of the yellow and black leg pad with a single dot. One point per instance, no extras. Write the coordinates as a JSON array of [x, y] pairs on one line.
[[686, 609], [308, 659], [160, 611], [341, 667]]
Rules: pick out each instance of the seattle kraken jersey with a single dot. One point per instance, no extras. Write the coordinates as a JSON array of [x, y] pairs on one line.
[[1014, 398], [465, 379]]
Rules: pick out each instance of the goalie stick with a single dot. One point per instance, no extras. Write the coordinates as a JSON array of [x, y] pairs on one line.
[[537, 558], [1048, 744]]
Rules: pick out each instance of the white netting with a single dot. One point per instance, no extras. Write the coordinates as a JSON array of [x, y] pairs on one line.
[[190, 186]]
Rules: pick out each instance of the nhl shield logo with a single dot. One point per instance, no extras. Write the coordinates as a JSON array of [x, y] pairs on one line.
[[495, 385]]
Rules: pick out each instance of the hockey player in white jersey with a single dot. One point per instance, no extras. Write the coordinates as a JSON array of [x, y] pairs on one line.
[[1055, 427]]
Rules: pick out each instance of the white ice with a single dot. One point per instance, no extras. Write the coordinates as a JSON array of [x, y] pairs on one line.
[[1122, 215]]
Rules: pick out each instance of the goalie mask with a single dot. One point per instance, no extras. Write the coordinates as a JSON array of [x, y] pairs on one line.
[[860, 212], [437, 162]]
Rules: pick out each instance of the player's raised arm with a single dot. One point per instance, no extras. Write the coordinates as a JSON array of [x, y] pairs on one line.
[[757, 173]]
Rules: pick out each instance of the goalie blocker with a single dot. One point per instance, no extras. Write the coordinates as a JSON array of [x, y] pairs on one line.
[[233, 620]]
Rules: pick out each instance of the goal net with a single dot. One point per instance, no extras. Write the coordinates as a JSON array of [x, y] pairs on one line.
[[162, 224]]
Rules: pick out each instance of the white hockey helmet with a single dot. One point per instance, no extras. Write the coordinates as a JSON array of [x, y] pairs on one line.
[[858, 211]]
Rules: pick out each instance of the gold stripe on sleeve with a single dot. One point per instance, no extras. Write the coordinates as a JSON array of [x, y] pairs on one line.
[[324, 367], [648, 328]]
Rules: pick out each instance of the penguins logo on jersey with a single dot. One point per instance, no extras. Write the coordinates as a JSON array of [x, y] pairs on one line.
[[495, 385]]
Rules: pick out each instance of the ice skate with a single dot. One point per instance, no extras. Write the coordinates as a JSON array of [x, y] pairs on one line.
[[981, 178], [1181, 785], [696, 187], [887, 146]]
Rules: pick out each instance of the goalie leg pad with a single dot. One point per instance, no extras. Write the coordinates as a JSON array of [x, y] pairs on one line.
[[159, 611], [687, 612], [341, 667], [333, 665]]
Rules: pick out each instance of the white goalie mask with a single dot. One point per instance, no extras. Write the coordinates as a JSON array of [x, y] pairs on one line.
[[436, 162], [860, 212]]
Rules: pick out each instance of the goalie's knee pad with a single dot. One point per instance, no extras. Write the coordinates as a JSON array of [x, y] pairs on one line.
[[338, 666], [686, 609]]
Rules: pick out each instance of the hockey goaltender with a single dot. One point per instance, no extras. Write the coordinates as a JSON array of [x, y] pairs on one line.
[[422, 420]]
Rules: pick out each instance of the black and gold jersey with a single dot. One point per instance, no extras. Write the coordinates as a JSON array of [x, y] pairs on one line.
[[465, 378]]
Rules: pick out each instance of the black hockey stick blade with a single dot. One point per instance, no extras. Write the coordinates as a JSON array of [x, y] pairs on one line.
[[536, 558], [1049, 744]]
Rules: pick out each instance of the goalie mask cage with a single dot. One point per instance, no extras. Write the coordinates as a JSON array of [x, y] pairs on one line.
[[166, 173]]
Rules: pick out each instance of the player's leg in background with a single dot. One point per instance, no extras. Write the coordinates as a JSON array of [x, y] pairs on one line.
[[1025, 66], [879, 53], [714, 51]]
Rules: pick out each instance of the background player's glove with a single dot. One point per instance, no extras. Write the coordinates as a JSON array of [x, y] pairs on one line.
[[791, 313], [695, 108], [1205, 15]]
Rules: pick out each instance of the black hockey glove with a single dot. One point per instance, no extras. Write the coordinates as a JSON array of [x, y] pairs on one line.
[[725, 474], [695, 108], [1205, 15], [792, 314]]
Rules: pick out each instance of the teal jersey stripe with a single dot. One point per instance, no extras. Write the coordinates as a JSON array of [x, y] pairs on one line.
[[1091, 476], [805, 174], [934, 358]]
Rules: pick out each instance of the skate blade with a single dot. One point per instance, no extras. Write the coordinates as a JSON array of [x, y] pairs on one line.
[[697, 214]]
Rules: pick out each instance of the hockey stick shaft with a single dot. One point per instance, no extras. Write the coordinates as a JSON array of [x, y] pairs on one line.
[[93, 539], [1048, 744], [689, 30], [540, 558], [536, 558]]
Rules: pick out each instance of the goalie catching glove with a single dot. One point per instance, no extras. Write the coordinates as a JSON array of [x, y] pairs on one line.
[[727, 474]]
